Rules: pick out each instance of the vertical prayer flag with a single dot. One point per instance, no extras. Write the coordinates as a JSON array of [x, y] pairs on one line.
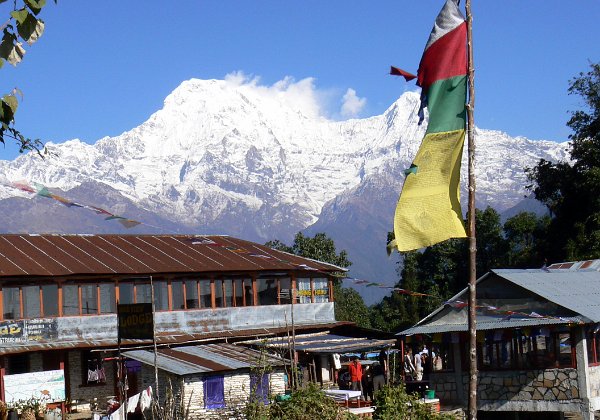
[[428, 210]]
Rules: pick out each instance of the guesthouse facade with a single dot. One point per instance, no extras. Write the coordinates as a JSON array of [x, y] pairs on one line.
[[538, 345], [59, 296]]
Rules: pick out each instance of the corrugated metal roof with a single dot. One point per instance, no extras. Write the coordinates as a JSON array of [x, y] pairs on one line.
[[574, 286], [51, 255], [206, 358], [577, 290], [330, 343], [489, 324]]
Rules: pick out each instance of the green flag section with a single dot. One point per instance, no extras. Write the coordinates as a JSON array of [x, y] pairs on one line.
[[428, 211]]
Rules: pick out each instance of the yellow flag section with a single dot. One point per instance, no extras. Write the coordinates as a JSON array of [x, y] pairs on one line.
[[428, 210]]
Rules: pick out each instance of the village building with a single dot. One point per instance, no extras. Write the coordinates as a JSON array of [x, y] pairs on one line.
[[58, 315], [538, 344]]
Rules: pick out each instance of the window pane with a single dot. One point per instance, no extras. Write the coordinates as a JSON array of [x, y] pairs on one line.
[[143, 293], [50, 299], [285, 291], [191, 294], [205, 295], [304, 292], [125, 293], [161, 296], [239, 292], [177, 291], [12, 307], [228, 292], [248, 292], [89, 299], [564, 345], [70, 299], [321, 290], [31, 302], [108, 304], [267, 291], [219, 293]]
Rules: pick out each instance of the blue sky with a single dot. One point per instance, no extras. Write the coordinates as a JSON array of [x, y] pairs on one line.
[[103, 67]]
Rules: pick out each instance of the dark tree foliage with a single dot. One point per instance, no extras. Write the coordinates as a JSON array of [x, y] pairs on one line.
[[441, 271], [349, 305], [571, 190]]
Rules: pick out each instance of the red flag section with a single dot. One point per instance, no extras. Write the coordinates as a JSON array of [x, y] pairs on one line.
[[395, 71]]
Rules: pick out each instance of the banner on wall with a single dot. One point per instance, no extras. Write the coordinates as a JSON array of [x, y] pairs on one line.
[[48, 386], [135, 321]]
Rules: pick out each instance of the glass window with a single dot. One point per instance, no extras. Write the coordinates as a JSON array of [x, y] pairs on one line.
[[321, 286], [161, 295], [12, 305], [205, 294], [219, 293], [304, 291], [564, 349], [191, 294], [285, 291], [31, 302], [228, 291], [177, 293], [267, 291], [239, 292], [214, 392], [125, 293], [89, 299], [70, 299], [143, 293], [248, 292], [50, 299], [108, 300]]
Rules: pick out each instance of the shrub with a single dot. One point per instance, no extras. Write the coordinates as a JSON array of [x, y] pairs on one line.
[[393, 403]]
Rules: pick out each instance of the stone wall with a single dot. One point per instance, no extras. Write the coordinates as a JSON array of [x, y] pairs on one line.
[[236, 390], [594, 381], [555, 389], [81, 393]]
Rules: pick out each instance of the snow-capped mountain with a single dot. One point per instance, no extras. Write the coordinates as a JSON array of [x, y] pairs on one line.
[[230, 157]]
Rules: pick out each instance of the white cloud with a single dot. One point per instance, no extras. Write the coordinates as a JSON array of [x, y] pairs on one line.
[[302, 95], [352, 105]]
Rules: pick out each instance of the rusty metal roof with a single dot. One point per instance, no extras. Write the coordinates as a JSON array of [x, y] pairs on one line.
[[206, 358], [50, 255]]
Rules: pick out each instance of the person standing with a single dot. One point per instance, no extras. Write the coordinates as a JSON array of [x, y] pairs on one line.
[[409, 367], [419, 366], [356, 374], [383, 362], [378, 377]]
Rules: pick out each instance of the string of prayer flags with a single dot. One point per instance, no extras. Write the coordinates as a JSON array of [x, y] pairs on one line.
[[42, 191]]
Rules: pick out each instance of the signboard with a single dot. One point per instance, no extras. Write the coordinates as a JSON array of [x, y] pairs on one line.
[[135, 320], [48, 386], [28, 330]]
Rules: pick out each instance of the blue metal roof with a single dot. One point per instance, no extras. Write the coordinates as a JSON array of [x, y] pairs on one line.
[[573, 286]]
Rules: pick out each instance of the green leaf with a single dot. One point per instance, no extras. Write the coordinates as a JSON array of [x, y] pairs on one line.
[[30, 29], [10, 50], [35, 5], [20, 15], [12, 102]]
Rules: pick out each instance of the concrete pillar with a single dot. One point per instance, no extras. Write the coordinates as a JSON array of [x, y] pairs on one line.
[[582, 370]]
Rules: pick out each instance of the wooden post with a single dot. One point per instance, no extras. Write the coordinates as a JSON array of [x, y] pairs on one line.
[[471, 223]]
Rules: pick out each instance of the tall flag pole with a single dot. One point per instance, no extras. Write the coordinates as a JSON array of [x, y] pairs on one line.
[[428, 210], [471, 222]]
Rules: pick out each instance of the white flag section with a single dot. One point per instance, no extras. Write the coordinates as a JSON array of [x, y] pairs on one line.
[[48, 386]]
